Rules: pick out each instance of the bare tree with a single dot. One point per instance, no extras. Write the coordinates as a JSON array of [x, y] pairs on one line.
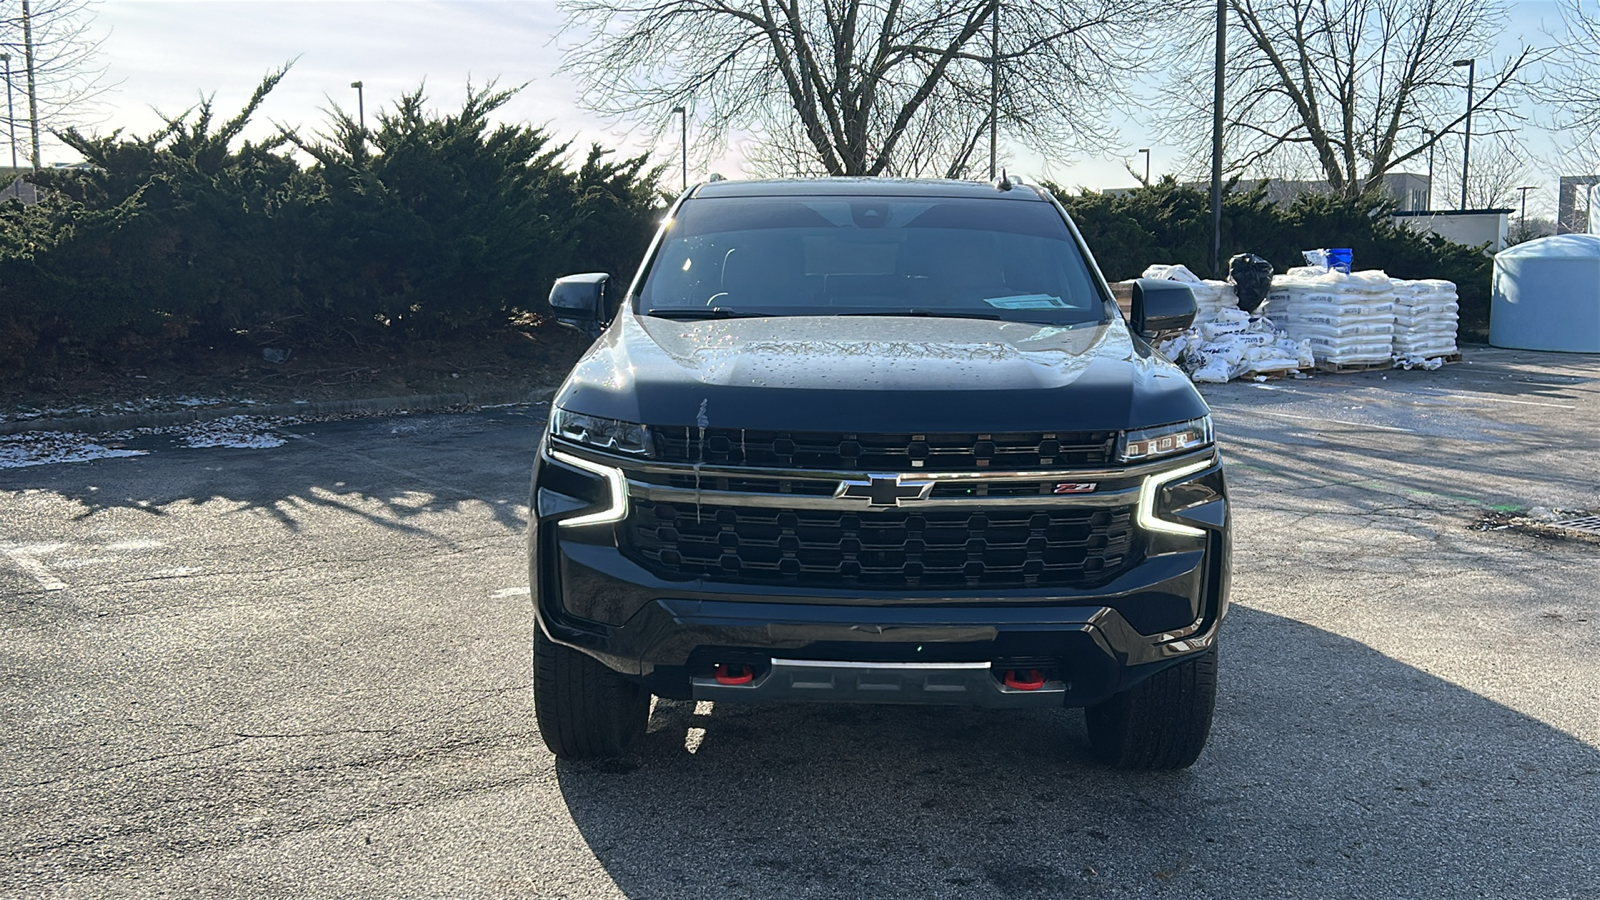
[[864, 87], [1499, 167], [54, 49], [1573, 87], [1358, 88]]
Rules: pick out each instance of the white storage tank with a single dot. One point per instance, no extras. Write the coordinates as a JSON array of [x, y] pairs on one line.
[[1547, 295]]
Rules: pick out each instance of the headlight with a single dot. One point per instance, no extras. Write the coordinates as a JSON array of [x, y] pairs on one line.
[[1164, 440], [601, 433], [616, 484], [1152, 486]]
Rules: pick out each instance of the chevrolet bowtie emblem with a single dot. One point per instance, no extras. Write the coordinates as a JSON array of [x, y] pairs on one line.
[[883, 490]]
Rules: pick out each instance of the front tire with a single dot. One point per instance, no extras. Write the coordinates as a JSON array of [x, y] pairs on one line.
[[584, 709], [1159, 723]]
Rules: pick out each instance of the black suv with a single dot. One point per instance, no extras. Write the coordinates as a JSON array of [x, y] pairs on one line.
[[883, 441]]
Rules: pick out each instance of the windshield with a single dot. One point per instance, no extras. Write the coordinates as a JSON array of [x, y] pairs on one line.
[[930, 256]]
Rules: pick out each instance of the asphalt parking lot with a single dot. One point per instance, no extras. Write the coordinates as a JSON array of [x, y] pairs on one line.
[[303, 671]]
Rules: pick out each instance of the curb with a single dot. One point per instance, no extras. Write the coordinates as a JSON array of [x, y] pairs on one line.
[[372, 406]]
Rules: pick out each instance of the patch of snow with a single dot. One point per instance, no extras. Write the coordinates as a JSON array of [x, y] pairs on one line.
[[243, 432], [41, 448]]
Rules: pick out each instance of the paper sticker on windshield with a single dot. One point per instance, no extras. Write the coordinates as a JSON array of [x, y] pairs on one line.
[[1026, 301]]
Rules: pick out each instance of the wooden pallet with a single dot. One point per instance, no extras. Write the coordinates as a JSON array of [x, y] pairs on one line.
[[1270, 375], [1345, 369], [1348, 368]]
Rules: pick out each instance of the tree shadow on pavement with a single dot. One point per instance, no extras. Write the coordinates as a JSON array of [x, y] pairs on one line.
[[1332, 771], [1499, 433], [389, 472]]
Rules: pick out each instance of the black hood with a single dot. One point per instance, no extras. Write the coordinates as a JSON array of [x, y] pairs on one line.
[[877, 374]]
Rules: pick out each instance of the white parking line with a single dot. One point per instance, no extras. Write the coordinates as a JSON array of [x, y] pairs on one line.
[[30, 564], [1471, 397], [510, 592], [1262, 412]]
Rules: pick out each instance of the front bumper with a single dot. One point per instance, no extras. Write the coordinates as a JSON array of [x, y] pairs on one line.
[[905, 647]]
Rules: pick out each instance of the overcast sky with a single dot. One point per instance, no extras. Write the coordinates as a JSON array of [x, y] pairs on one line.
[[165, 53]]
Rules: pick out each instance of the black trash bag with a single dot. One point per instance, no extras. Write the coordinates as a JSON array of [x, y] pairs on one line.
[[1251, 277]]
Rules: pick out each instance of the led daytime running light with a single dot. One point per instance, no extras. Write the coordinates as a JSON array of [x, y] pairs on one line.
[[1147, 500], [618, 483]]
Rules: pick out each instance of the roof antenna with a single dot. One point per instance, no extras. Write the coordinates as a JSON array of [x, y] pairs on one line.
[[1004, 182]]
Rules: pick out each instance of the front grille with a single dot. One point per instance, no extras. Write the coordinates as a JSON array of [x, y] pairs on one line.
[[885, 452], [814, 487], [895, 548], [714, 482]]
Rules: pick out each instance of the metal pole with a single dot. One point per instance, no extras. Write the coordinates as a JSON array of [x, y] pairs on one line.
[[1466, 150], [994, 89], [1525, 191], [1146, 152], [33, 95], [361, 109], [1433, 139], [1216, 140], [11, 110], [683, 141]]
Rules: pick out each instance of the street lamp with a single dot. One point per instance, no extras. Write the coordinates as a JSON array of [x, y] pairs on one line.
[[361, 108], [1525, 189], [683, 140], [1146, 152], [1466, 150], [1433, 139], [11, 110], [1216, 138]]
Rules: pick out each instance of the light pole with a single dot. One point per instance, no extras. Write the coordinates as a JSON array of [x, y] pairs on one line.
[[994, 88], [683, 141], [1524, 226], [1433, 138], [1146, 152], [361, 109], [1525, 189], [33, 94], [1466, 149], [11, 110], [1216, 139]]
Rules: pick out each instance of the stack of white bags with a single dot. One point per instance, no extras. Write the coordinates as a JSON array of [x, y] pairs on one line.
[[1425, 319], [1348, 319], [1210, 297], [1226, 342], [1234, 344]]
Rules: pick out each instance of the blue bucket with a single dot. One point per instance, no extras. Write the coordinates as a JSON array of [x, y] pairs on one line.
[[1339, 259]]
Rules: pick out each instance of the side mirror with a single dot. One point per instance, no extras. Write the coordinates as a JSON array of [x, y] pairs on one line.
[[1161, 305], [579, 301]]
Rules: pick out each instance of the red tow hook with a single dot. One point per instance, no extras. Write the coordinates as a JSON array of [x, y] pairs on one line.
[[739, 674], [1030, 682]]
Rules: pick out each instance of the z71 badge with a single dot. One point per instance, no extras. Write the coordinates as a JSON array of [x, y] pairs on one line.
[[1077, 488]]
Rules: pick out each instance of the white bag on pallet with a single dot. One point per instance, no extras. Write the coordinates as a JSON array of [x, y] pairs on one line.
[[1347, 319], [1210, 297], [1235, 345], [1427, 314]]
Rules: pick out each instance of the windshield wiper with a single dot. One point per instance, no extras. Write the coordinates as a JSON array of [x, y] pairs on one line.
[[934, 314], [704, 312]]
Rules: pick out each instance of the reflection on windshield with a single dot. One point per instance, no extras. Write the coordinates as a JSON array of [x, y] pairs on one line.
[[871, 256]]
